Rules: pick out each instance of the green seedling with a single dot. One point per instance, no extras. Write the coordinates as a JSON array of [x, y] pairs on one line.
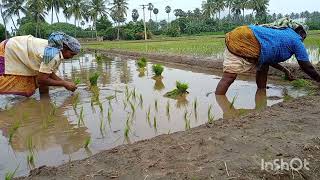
[[210, 116], [87, 142], [127, 91], [156, 105], [102, 127], [75, 101], [77, 81], [148, 114], [187, 120], [125, 104], [181, 89], [195, 108], [94, 79], [81, 117], [155, 122], [109, 115], [168, 109], [127, 128], [109, 98], [30, 145], [100, 107], [30, 160], [301, 83], [142, 63], [132, 108], [98, 57], [233, 101], [141, 101], [157, 69], [10, 175], [134, 94], [13, 130]]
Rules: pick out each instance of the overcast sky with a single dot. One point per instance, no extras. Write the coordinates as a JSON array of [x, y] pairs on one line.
[[276, 6]]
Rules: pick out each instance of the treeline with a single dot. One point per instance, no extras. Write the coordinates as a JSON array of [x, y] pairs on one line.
[[108, 19]]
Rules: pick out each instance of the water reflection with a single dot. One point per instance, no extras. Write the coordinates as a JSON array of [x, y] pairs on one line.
[[229, 111], [47, 131]]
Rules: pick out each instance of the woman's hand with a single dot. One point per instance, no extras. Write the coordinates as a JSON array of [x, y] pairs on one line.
[[70, 86]]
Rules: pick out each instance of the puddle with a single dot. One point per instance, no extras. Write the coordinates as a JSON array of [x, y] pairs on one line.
[[314, 55], [59, 138]]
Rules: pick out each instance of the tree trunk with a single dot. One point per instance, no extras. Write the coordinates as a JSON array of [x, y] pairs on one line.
[[118, 35], [156, 18], [95, 27], [150, 16], [51, 13], [168, 19], [57, 17], [14, 24], [75, 24], [243, 14]]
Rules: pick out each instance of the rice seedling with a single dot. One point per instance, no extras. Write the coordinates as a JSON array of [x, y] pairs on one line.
[[109, 115], [155, 122], [233, 101], [87, 142], [54, 109], [115, 95], [187, 120], [148, 114], [94, 79], [141, 101], [77, 81], [127, 91], [157, 69], [102, 127], [156, 104], [100, 107], [13, 130], [30, 145], [210, 116], [168, 109], [195, 108], [127, 128], [10, 175], [75, 101], [30, 160], [98, 57], [142, 63], [132, 108], [125, 104], [181, 89], [81, 117]]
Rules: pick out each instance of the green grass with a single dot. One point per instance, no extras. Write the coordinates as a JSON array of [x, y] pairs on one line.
[[10, 175], [206, 44], [301, 83], [188, 45]]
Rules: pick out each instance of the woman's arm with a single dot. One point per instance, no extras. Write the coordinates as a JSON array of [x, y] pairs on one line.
[[54, 80], [308, 68], [284, 70]]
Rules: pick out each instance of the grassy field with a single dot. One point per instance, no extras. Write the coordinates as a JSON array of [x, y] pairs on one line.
[[207, 45]]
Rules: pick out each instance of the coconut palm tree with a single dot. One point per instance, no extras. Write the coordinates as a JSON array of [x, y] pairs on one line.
[[228, 4], [150, 8], [219, 6], [37, 10], [156, 12], [208, 8], [55, 5], [14, 8], [135, 15], [97, 8], [119, 12], [168, 10], [260, 7], [4, 20]]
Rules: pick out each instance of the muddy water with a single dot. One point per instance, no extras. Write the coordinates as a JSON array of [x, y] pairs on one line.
[[58, 134]]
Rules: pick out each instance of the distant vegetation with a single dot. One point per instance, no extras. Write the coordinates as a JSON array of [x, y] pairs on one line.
[[95, 18]]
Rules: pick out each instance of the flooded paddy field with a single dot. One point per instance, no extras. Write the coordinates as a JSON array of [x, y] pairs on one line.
[[127, 106]]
